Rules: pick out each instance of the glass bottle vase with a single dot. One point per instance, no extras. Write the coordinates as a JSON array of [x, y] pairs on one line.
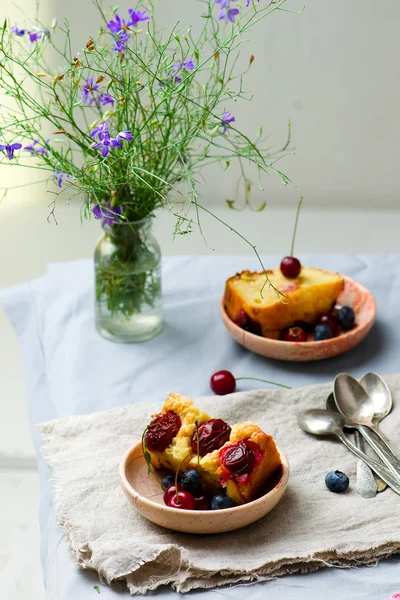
[[128, 282]]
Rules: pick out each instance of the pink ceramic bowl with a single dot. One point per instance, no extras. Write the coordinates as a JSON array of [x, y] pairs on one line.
[[354, 294], [146, 495]]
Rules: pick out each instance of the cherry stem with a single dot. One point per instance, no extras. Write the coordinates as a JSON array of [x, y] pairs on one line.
[[295, 224], [264, 381]]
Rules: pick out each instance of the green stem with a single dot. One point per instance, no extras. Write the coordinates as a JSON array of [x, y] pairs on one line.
[[295, 224], [264, 381]]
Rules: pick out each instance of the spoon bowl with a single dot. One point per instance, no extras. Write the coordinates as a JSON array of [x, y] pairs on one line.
[[380, 395], [320, 422], [352, 400]]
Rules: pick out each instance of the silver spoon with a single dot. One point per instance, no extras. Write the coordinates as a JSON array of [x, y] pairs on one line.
[[377, 389], [361, 467], [367, 485], [358, 409], [324, 422]]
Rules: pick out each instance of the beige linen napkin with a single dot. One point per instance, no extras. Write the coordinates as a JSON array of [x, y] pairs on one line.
[[310, 528]]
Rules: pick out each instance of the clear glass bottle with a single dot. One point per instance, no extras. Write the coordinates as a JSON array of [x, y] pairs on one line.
[[128, 282]]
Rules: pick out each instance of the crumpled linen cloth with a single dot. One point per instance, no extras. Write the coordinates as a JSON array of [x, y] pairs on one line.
[[310, 528]]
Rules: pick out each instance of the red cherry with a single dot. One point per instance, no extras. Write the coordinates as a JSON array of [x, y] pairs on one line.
[[290, 267], [223, 382], [185, 500], [162, 430], [238, 458], [242, 319], [331, 320], [294, 334], [212, 435], [203, 502], [171, 491]]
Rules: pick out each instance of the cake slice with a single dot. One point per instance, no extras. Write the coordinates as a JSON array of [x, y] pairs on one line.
[[243, 465], [312, 293], [168, 437]]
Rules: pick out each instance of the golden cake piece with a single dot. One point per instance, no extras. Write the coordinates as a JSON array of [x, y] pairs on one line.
[[243, 465], [312, 293], [168, 437]]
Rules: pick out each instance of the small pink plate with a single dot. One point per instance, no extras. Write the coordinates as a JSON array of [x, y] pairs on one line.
[[354, 294], [146, 495]]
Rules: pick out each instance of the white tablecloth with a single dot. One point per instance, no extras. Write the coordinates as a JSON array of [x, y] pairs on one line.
[[70, 369]]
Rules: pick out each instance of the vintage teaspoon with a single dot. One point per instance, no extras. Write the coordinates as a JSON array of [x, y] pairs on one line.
[[378, 390], [357, 407], [324, 422], [364, 473]]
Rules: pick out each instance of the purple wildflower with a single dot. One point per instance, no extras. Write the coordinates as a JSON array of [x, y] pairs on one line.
[[125, 135], [107, 143], [248, 2], [33, 150], [105, 99], [108, 213], [47, 32], [10, 149], [87, 91], [227, 118], [59, 176], [101, 131], [227, 12], [121, 41], [34, 36], [16, 31], [187, 64], [136, 16], [116, 25]]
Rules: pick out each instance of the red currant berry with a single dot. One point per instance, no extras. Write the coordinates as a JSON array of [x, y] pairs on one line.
[[203, 502], [294, 334], [171, 491], [183, 500], [162, 430], [331, 320], [223, 382], [212, 436], [290, 267], [238, 458]]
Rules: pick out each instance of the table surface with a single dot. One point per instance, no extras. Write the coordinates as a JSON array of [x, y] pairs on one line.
[[58, 341]]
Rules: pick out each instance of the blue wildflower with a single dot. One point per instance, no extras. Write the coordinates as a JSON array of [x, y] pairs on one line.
[[59, 176], [15, 30], [121, 41], [105, 99], [34, 150], [109, 214], [227, 118], [136, 16], [87, 91], [10, 149], [227, 12], [34, 36]]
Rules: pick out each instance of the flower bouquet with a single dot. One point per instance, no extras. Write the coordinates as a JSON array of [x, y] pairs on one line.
[[127, 125]]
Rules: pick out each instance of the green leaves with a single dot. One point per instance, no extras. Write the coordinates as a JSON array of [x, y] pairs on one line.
[[96, 587], [146, 453]]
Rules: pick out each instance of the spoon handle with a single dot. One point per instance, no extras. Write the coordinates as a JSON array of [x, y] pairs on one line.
[[381, 448], [389, 443], [379, 469]]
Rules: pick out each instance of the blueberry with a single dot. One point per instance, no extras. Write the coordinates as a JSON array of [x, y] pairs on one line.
[[221, 501], [191, 482], [346, 317], [322, 332], [167, 481], [337, 482]]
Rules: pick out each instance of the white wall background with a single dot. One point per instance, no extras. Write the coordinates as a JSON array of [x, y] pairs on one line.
[[335, 72]]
